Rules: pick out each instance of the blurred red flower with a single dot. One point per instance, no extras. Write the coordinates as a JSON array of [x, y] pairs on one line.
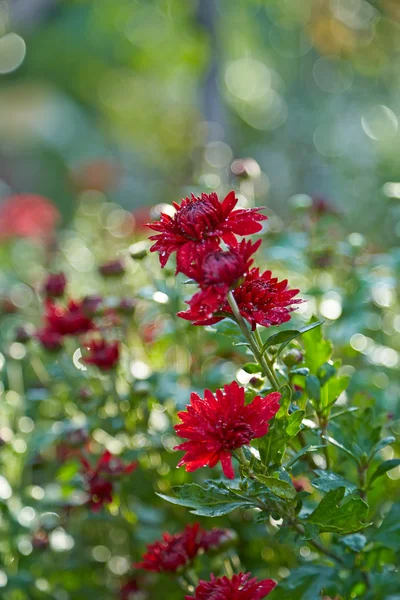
[[112, 268], [51, 340], [216, 271], [220, 424], [27, 215], [71, 320], [97, 479], [261, 299], [199, 218], [173, 551], [240, 587], [129, 590], [102, 354], [54, 285]]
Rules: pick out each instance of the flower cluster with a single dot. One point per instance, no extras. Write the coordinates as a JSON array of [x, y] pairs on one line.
[[196, 231], [98, 479], [77, 318], [222, 423], [239, 587], [174, 552]]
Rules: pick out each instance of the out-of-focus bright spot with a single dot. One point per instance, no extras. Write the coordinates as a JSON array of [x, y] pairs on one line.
[[333, 75], [383, 295], [76, 360], [19, 446], [305, 551], [160, 297], [17, 351], [140, 370], [308, 308], [25, 547], [2, 361], [12, 52], [300, 201], [394, 474], [26, 516], [218, 154], [101, 553], [331, 308], [358, 342], [26, 425], [283, 572], [37, 492], [265, 116], [380, 380], [3, 579], [210, 180], [356, 14], [243, 377], [168, 209], [379, 123], [392, 189], [158, 421], [119, 565], [248, 79], [6, 434], [5, 488], [21, 295], [115, 446], [42, 584], [356, 239], [396, 326], [60, 540]]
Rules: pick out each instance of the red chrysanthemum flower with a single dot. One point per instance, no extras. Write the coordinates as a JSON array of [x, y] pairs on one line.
[[130, 590], [216, 538], [220, 424], [216, 271], [55, 284], [99, 485], [102, 354], [27, 215], [199, 218], [261, 299], [173, 551], [51, 340], [71, 320], [240, 587]]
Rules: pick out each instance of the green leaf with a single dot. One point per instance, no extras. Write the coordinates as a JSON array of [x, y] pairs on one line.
[[317, 350], [212, 502], [328, 481], [381, 444], [301, 371], [313, 388], [355, 541], [252, 368], [388, 465], [332, 516], [302, 452], [285, 337], [326, 372], [334, 442], [280, 488]]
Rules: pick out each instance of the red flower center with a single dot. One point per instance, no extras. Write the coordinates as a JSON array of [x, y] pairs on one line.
[[196, 218]]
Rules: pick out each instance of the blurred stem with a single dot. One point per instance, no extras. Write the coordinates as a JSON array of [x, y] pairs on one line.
[[318, 546], [253, 343], [266, 357]]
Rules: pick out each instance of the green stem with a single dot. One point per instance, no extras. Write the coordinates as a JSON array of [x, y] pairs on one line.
[[257, 352]]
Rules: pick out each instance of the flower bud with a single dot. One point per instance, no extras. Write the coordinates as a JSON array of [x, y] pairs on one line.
[[293, 357]]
